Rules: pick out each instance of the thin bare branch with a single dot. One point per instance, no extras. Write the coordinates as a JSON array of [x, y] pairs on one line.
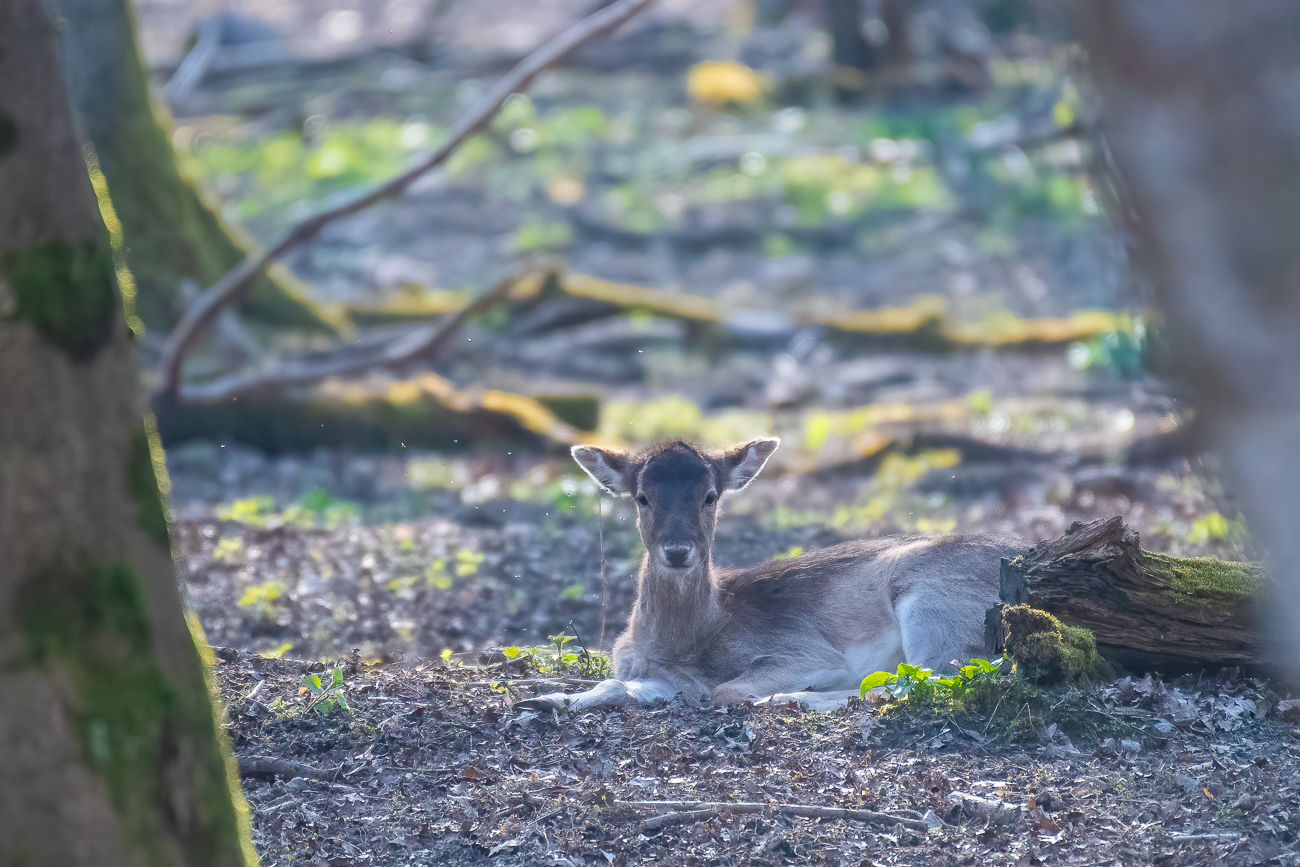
[[200, 314], [684, 812], [424, 342]]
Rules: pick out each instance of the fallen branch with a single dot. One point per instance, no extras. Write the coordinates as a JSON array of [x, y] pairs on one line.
[[196, 62], [1226, 837], [686, 812], [199, 315], [1148, 611], [269, 766], [423, 342]]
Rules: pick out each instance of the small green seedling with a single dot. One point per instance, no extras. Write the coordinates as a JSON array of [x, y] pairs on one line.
[[325, 698], [922, 684]]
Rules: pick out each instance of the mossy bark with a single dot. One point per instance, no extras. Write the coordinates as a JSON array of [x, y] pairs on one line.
[[108, 738], [1147, 611], [170, 233]]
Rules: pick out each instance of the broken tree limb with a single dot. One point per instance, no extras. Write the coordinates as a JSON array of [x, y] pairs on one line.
[[923, 323], [422, 343], [425, 411], [199, 315], [270, 767], [683, 812], [1147, 610]]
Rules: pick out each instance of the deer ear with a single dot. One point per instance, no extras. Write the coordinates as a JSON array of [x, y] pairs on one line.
[[741, 463], [608, 467]]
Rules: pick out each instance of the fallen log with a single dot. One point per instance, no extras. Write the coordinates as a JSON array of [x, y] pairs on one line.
[[1148, 611], [925, 324], [423, 411]]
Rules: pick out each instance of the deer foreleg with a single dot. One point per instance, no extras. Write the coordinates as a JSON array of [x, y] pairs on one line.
[[607, 693]]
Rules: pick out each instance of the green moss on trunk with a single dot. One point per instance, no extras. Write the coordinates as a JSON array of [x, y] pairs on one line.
[[171, 234], [1205, 582], [153, 741], [142, 486], [66, 292]]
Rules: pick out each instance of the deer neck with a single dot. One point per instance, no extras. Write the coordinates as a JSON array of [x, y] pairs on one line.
[[674, 607]]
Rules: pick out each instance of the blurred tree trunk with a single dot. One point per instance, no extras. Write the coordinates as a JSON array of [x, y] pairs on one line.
[[108, 745], [1202, 106], [864, 46], [170, 233]]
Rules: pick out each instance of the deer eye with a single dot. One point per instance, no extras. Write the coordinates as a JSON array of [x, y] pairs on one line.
[[641, 500], [710, 500]]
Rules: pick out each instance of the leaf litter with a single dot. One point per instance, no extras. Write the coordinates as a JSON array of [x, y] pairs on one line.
[[431, 763]]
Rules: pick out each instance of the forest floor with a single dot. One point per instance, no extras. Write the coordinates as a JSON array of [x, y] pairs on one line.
[[430, 764], [450, 600], [433, 583]]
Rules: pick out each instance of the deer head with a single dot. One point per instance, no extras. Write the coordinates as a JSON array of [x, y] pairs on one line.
[[676, 487]]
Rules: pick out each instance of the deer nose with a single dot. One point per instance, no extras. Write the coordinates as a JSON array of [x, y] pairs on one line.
[[678, 556]]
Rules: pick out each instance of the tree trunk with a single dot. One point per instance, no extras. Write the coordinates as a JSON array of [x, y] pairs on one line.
[[853, 58], [108, 743], [171, 235], [1147, 611], [1202, 106]]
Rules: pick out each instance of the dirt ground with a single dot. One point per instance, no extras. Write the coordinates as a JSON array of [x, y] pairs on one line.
[[432, 765]]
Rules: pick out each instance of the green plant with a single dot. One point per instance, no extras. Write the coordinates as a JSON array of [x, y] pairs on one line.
[[262, 598], [314, 509], [594, 666], [1120, 351], [922, 686], [325, 697], [559, 658], [277, 652], [1215, 526]]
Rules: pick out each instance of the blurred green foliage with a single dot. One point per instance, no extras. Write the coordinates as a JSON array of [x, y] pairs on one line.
[[1121, 352], [644, 169], [314, 509]]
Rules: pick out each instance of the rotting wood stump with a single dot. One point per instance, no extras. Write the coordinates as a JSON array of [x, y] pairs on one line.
[[1148, 611]]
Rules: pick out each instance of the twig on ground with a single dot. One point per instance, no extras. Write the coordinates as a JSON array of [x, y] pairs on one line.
[[200, 314], [686, 812], [269, 766], [1226, 837], [424, 342]]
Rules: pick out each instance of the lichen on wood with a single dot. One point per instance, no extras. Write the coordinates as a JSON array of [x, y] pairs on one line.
[[170, 232]]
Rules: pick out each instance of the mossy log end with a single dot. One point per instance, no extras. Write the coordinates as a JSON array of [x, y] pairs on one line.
[[1147, 611]]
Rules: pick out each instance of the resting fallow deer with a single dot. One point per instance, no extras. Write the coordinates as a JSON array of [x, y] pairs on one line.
[[819, 622]]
